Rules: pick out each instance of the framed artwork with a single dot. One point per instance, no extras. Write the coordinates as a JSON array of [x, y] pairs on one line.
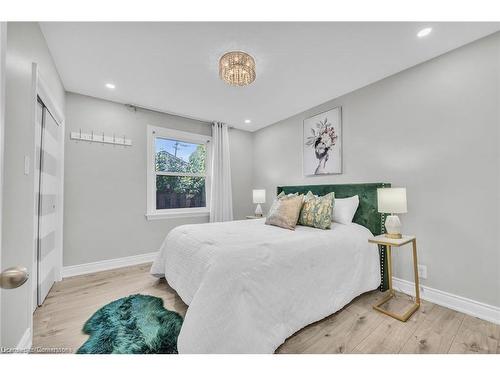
[[322, 143]]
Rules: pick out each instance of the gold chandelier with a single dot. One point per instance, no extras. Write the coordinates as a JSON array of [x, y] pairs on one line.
[[237, 68]]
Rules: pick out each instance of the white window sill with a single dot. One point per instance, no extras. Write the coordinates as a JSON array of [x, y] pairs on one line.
[[177, 214]]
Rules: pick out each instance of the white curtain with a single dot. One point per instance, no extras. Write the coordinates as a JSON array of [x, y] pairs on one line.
[[221, 197]]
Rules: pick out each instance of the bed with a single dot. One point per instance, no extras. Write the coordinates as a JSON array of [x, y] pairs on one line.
[[249, 286]]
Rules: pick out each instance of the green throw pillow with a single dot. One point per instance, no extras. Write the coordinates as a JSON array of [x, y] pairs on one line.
[[317, 211]]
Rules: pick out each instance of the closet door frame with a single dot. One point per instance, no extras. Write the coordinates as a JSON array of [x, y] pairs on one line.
[[41, 90]]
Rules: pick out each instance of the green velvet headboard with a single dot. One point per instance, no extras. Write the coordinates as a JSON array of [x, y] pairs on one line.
[[366, 215]]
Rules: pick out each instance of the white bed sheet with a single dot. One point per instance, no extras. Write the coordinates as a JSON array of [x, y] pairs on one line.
[[249, 286]]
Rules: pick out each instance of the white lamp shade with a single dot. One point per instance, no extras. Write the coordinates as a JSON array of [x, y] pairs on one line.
[[259, 196], [392, 200]]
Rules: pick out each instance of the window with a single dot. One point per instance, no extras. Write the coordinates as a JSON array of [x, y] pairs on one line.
[[178, 179]]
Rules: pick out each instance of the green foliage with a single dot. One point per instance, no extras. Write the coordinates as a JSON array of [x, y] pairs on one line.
[[183, 185], [194, 185], [165, 161]]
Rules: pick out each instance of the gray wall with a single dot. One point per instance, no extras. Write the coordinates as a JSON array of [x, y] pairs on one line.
[[241, 148], [105, 185], [25, 45], [434, 129]]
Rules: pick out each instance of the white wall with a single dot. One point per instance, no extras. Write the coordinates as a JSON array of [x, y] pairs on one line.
[[105, 185], [25, 45], [434, 129]]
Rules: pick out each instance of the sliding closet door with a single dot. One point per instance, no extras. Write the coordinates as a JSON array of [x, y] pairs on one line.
[[38, 138], [47, 213]]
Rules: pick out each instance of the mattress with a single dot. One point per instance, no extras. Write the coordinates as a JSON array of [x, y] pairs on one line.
[[249, 286]]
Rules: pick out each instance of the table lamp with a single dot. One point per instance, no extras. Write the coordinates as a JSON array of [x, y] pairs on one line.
[[259, 196], [392, 201]]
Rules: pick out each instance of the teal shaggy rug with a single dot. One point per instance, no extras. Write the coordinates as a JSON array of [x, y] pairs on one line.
[[136, 324]]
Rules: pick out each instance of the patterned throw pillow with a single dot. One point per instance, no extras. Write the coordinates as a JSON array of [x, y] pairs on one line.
[[285, 211], [317, 211]]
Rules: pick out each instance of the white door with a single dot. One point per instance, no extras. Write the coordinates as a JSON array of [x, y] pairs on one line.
[[11, 277], [48, 165], [3, 45]]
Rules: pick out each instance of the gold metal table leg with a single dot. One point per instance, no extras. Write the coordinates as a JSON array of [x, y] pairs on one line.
[[415, 272], [390, 293], [389, 269]]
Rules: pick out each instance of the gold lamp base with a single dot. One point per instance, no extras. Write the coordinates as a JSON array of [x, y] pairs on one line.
[[394, 235]]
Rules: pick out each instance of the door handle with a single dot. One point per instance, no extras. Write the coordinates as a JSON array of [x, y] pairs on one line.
[[13, 277]]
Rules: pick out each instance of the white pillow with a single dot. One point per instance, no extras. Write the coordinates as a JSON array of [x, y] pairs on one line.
[[344, 209]]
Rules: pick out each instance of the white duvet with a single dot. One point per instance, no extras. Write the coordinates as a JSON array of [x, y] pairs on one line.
[[249, 286]]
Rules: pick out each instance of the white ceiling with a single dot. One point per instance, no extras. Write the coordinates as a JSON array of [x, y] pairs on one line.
[[173, 66]]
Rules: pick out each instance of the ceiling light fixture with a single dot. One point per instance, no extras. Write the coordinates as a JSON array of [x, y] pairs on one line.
[[237, 68], [110, 86], [424, 32], [248, 121]]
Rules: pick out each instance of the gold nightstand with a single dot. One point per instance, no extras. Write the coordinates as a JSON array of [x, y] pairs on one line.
[[397, 242]]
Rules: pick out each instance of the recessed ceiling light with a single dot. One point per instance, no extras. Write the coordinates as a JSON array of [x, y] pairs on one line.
[[424, 32], [110, 86], [248, 121]]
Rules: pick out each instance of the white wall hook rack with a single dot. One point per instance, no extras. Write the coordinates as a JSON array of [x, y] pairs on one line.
[[101, 138]]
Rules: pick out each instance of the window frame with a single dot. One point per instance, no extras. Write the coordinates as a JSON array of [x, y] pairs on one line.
[[152, 212]]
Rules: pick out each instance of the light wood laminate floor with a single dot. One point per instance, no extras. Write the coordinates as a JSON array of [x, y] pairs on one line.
[[357, 328]]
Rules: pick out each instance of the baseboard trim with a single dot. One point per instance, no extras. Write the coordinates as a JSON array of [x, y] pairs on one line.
[[452, 301], [105, 265], [24, 345]]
